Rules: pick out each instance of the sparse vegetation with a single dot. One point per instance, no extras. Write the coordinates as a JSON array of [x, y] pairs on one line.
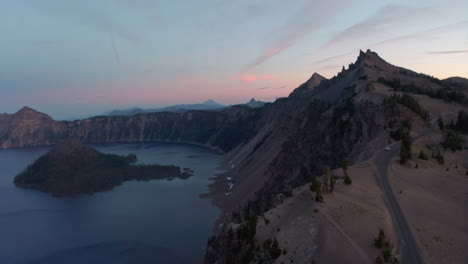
[[387, 254], [452, 141]]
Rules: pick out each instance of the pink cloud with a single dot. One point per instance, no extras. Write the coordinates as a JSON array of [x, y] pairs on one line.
[[270, 77], [248, 78]]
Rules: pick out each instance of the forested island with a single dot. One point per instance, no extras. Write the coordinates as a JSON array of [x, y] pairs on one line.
[[73, 168]]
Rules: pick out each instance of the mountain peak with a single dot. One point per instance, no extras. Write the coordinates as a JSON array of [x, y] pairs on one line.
[[254, 103], [26, 109], [369, 57], [27, 113], [211, 102], [314, 80]]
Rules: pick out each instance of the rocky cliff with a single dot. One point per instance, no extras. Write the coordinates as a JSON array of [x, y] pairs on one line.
[[219, 129]]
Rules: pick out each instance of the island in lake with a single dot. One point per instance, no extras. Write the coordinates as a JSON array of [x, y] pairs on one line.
[[73, 168]]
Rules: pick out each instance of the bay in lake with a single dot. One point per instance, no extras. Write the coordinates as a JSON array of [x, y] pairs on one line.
[[156, 221]]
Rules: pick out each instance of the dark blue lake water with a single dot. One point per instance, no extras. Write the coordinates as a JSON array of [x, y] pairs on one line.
[[156, 221]]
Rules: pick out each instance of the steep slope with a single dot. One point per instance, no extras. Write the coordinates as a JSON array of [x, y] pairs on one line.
[[349, 116]]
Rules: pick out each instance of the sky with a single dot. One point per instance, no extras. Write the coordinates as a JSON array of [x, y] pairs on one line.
[[73, 59]]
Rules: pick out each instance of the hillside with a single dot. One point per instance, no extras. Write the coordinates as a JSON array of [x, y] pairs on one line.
[[72, 168], [275, 151]]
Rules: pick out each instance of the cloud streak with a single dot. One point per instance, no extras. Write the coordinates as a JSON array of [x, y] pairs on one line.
[[448, 52], [310, 18], [375, 25]]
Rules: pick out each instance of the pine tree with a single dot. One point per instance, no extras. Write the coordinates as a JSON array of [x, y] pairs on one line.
[[347, 179], [326, 180], [405, 151], [441, 123], [332, 182], [319, 193]]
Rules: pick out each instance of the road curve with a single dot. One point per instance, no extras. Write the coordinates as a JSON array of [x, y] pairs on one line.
[[410, 253]]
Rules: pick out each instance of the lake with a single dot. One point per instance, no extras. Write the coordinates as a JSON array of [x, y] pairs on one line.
[[156, 221]]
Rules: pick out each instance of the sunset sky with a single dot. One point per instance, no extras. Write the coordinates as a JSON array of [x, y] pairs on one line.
[[73, 59]]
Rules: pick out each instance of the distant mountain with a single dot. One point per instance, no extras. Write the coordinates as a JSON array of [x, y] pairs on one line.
[[254, 103], [207, 105]]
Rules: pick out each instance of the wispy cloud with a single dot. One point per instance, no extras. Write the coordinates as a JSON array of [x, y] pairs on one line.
[[88, 13], [411, 36], [310, 18], [116, 52], [448, 52], [377, 24]]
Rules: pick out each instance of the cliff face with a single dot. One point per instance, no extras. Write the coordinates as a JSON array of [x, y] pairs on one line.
[[223, 130]]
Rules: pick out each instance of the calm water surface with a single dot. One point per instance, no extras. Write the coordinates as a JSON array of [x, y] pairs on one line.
[[155, 221]]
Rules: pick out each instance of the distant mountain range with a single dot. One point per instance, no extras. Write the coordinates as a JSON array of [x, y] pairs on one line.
[[210, 105]]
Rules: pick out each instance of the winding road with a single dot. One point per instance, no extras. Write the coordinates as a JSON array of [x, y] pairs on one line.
[[410, 253]]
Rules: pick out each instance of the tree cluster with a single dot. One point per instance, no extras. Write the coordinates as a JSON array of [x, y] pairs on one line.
[[447, 94], [383, 243], [461, 125], [408, 101], [452, 141]]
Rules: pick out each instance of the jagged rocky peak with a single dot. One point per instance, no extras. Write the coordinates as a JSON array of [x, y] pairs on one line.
[[369, 58]]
